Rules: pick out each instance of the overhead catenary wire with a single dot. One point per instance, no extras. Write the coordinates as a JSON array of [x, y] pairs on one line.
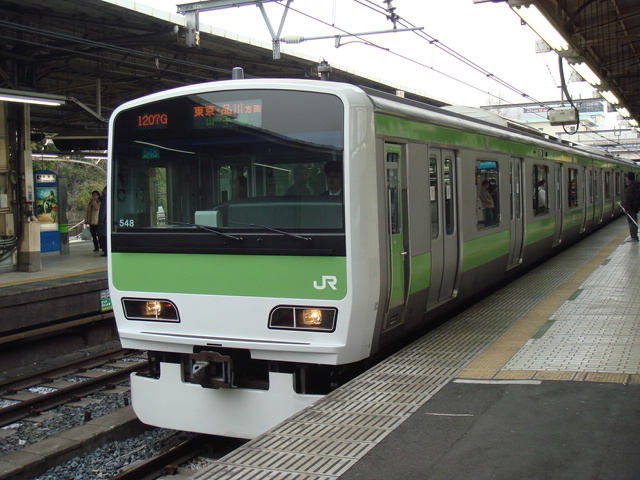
[[443, 47], [432, 41]]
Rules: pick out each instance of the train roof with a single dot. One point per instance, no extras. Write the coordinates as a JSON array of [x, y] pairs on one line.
[[481, 121]]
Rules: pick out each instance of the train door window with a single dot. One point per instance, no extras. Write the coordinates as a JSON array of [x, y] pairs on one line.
[[487, 187], [4, 192], [618, 185], [158, 194], [434, 199], [590, 182], [447, 173], [540, 189], [516, 193], [573, 187], [232, 182], [393, 191], [607, 184]]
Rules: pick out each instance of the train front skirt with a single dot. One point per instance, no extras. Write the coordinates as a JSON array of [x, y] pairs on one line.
[[232, 412]]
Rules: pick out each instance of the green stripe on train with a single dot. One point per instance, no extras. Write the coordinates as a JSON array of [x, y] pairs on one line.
[[420, 272], [485, 249], [394, 127], [539, 230], [315, 278]]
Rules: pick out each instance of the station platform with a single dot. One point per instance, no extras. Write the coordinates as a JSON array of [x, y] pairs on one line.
[[68, 286], [81, 259], [539, 380]]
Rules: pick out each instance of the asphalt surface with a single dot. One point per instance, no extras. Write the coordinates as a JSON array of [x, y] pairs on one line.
[[551, 430]]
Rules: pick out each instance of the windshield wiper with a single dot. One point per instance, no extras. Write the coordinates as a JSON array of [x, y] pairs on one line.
[[273, 229], [208, 229]]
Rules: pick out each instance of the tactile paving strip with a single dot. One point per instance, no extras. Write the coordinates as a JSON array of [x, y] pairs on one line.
[[323, 441], [597, 329]]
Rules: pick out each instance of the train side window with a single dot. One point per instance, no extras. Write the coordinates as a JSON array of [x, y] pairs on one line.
[[487, 194], [540, 189], [433, 195], [573, 187]]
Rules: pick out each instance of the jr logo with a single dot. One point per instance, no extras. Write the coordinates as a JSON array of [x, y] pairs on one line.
[[329, 280]]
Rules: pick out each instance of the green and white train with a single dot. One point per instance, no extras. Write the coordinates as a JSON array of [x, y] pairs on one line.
[[253, 289]]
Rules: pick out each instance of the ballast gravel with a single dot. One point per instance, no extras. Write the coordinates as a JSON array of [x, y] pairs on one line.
[[110, 459], [57, 420], [101, 463]]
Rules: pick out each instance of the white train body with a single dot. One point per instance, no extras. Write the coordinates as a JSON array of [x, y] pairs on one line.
[[254, 302]]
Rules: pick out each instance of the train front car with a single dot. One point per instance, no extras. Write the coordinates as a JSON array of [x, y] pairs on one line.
[[237, 212]]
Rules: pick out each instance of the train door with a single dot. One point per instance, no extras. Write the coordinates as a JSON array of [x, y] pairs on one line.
[[398, 241], [557, 238], [517, 220], [444, 228], [585, 203]]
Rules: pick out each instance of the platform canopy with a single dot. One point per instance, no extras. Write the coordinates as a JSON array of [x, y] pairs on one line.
[[98, 54]]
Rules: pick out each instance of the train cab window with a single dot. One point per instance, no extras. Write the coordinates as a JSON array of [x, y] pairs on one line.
[[258, 172], [573, 187], [540, 189], [433, 195], [487, 197]]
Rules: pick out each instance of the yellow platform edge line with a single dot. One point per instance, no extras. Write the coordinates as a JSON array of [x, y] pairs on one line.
[[53, 277], [488, 364]]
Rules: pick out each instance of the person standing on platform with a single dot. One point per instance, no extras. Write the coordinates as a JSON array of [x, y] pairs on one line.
[[91, 218], [102, 222], [631, 204]]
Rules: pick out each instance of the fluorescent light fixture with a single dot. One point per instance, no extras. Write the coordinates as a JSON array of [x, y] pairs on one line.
[[610, 97], [35, 98], [585, 72], [539, 23], [633, 122], [624, 112]]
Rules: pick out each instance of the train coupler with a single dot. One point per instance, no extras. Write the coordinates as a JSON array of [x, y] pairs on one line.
[[211, 370]]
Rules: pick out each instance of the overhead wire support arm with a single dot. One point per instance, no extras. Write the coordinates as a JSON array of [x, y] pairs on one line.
[[300, 39], [275, 36], [191, 11]]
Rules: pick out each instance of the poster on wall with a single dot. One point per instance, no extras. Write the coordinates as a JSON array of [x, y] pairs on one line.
[[47, 205]]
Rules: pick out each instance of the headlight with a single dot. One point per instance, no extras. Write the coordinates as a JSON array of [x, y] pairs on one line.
[[154, 310], [303, 318]]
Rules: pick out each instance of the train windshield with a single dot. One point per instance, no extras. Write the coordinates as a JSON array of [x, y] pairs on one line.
[[232, 161]]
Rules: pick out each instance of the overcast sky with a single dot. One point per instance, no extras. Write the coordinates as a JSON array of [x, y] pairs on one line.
[[489, 35]]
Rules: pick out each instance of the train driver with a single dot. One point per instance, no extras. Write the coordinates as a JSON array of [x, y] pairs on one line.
[[333, 171]]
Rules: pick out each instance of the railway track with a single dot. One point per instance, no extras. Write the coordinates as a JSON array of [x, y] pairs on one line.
[[31, 394], [166, 463]]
